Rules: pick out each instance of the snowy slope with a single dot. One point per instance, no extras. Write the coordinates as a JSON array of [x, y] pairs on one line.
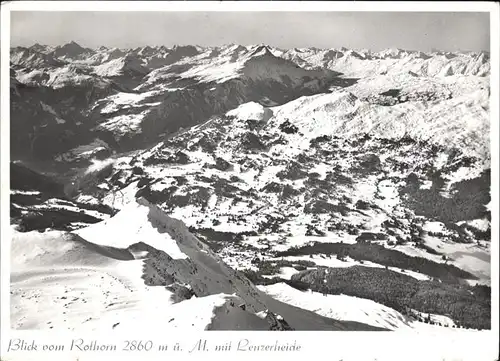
[[461, 122], [129, 279], [119, 66], [50, 283], [128, 227], [344, 307]]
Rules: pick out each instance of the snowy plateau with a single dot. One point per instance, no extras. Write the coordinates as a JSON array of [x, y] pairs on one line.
[[249, 188]]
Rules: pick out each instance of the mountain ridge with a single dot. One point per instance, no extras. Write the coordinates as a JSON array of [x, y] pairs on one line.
[[342, 48]]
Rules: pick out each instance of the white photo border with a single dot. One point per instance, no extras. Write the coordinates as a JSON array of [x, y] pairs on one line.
[[333, 345]]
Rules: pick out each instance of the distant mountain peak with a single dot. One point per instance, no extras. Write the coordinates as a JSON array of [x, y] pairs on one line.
[[262, 50], [70, 50], [72, 44]]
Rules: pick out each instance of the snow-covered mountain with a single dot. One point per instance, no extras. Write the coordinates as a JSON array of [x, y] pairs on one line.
[[361, 64], [266, 188], [185, 85]]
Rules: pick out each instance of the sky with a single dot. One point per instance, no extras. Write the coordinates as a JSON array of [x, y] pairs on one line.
[[357, 30]]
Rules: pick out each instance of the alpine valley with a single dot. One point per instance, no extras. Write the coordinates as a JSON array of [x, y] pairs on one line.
[[249, 188]]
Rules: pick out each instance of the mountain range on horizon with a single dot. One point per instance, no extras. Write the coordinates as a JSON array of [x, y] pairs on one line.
[[42, 47]]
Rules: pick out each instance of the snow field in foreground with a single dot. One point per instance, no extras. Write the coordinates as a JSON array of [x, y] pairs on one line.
[[61, 283]]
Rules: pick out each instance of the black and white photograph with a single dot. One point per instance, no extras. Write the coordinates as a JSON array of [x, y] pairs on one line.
[[250, 171]]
